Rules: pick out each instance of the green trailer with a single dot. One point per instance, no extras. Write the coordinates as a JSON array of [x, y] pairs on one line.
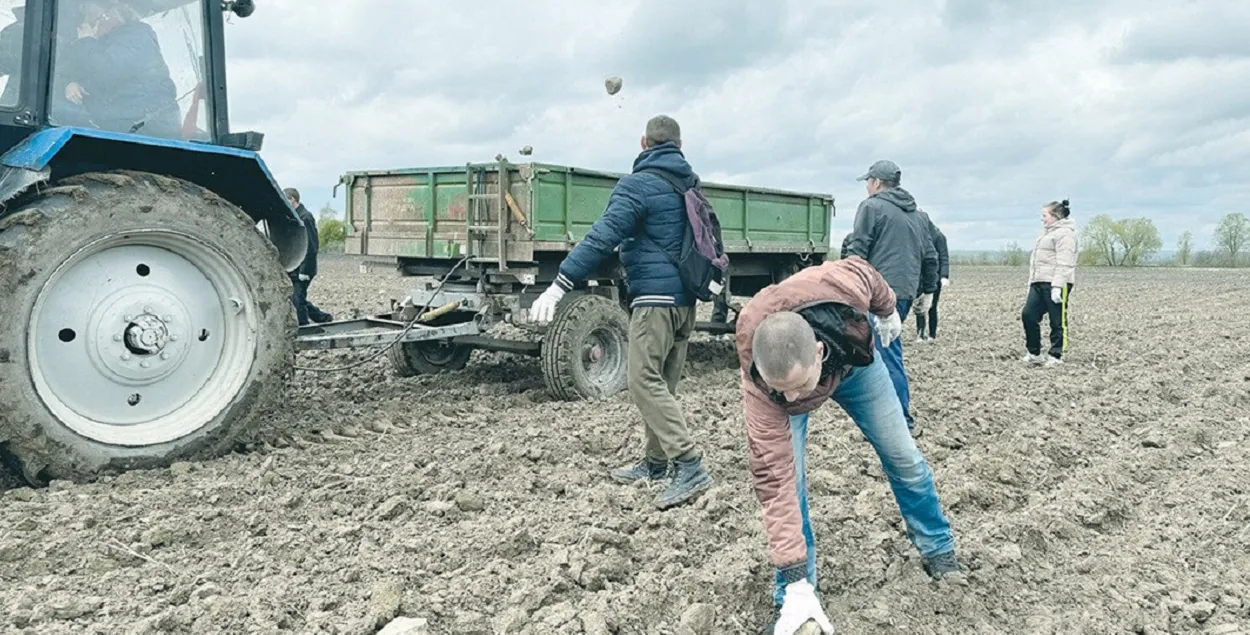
[[491, 237]]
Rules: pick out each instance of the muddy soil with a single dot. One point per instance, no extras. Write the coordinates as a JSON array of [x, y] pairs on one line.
[[1105, 496]]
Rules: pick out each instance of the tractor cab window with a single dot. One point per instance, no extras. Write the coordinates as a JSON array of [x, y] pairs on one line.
[[12, 26], [134, 66]]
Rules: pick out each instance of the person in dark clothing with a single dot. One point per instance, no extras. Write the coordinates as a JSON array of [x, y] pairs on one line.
[[930, 319], [113, 76], [895, 240], [646, 217], [303, 275]]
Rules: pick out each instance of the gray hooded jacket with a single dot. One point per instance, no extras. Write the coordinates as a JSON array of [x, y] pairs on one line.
[[896, 241]]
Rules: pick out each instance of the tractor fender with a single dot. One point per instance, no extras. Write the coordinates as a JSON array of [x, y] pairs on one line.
[[238, 176]]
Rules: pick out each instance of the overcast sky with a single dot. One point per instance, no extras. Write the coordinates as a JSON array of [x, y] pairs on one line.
[[1127, 107]]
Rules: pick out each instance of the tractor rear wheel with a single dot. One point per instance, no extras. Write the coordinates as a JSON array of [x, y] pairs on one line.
[[145, 320], [585, 350]]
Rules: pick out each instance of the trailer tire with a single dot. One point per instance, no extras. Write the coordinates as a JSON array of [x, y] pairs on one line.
[[585, 350], [410, 359], [89, 382]]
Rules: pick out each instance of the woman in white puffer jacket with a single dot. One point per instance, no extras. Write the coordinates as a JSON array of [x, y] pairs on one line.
[[1052, 273]]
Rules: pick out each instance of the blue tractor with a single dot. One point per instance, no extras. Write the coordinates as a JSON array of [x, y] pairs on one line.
[[145, 312]]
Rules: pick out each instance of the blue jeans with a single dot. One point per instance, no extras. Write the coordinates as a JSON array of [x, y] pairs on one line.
[[893, 356], [867, 395]]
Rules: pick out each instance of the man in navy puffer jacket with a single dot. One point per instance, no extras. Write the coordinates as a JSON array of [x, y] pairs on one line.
[[645, 215]]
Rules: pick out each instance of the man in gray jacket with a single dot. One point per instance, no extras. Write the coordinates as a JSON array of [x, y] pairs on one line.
[[895, 240]]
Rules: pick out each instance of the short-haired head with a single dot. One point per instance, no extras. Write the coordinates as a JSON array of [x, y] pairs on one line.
[[787, 354], [292, 194], [661, 129]]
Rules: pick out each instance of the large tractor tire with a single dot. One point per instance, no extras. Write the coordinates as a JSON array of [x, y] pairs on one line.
[[410, 359], [586, 347], [144, 320]]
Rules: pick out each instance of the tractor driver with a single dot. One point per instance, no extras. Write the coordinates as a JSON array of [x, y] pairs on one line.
[[112, 74]]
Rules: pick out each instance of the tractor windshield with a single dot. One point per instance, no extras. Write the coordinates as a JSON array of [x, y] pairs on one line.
[[134, 66], [11, 26]]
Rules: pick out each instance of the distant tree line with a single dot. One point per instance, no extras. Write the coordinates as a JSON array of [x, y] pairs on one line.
[[1134, 242]]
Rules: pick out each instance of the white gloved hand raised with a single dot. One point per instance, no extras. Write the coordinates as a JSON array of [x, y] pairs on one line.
[[544, 308], [800, 606], [1056, 295], [888, 329]]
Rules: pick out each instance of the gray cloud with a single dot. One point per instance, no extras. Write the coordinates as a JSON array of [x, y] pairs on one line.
[[1128, 107]]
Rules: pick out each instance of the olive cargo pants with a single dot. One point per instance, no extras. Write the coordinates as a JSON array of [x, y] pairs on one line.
[[658, 339]]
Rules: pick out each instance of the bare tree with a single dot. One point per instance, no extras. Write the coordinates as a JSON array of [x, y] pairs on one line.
[[1231, 236], [1184, 248]]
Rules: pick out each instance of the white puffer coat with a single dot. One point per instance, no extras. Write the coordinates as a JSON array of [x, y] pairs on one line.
[[1054, 255]]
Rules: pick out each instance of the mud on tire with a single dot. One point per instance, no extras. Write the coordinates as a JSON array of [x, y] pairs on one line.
[[585, 349], [158, 391]]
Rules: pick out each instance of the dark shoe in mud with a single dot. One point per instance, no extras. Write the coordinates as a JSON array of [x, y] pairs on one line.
[[689, 480], [647, 469], [944, 567]]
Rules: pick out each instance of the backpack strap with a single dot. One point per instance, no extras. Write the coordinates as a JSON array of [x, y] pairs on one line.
[[669, 178], [678, 187]]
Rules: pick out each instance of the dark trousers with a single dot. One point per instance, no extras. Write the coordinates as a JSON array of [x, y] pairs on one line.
[[932, 316], [720, 304], [1039, 304], [305, 310]]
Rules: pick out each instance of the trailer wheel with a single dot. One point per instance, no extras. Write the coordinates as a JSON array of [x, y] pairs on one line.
[[144, 320], [410, 359], [584, 353]]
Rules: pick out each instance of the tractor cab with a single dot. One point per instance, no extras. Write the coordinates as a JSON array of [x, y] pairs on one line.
[[149, 67]]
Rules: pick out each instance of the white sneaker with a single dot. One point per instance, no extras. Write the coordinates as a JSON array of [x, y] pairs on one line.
[[1036, 360], [1052, 361]]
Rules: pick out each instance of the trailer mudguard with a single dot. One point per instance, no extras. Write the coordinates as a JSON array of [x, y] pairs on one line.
[[238, 176]]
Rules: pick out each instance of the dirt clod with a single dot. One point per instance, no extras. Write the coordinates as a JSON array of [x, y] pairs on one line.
[[613, 84], [407, 626], [699, 619]]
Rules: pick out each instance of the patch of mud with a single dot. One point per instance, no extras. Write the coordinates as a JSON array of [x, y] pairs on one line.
[[1105, 496]]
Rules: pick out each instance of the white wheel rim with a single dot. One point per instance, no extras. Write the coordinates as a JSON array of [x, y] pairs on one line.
[[141, 338]]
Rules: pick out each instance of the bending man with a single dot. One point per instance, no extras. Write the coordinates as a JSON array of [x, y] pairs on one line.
[[802, 342]]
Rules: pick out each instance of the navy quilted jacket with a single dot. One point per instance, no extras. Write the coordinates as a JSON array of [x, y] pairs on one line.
[[641, 205]]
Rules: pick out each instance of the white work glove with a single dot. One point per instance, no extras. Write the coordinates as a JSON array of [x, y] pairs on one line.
[[945, 282], [800, 606], [1056, 295], [889, 329], [923, 303], [544, 308], [303, 277]]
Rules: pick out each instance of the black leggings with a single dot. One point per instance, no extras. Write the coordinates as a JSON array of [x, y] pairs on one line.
[[1037, 305], [932, 316]]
